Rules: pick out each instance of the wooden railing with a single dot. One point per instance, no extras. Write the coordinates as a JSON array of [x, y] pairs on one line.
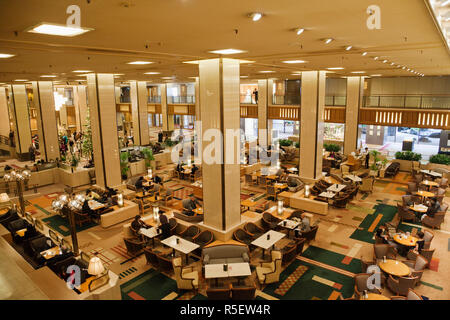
[[334, 114], [154, 108], [181, 109], [434, 119], [249, 111], [284, 113]]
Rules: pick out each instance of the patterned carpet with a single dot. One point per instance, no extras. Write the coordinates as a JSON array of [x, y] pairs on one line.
[[61, 225]]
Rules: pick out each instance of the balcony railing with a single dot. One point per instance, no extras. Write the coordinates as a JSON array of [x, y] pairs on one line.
[[407, 102], [336, 101], [125, 99], [154, 99], [286, 100], [180, 99]]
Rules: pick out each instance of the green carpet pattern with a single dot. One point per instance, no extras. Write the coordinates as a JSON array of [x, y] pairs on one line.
[[145, 285], [388, 213], [62, 226], [332, 258]]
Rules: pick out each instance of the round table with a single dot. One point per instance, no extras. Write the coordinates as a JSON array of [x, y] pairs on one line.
[[410, 241], [419, 209], [394, 267], [429, 184], [374, 296], [425, 194]]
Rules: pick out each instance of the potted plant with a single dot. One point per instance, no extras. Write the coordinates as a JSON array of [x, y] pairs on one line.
[[374, 167], [406, 158], [149, 158], [74, 163], [124, 164], [331, 147], [383, 167], [440, 159]]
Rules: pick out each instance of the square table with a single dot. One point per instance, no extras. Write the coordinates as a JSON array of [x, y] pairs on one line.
[[353, 177], [265, 244], [336, 187], [248, 203], [290, 225], [150, 233], [432, 173], [328, 195], [184, 246], [50, 253], [95, 205], [284, 215], [215, 271]]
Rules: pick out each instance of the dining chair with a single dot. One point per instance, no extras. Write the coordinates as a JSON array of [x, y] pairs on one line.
[[187, 277], [401, 285], [417, 267], [269, 272], [361, 285]]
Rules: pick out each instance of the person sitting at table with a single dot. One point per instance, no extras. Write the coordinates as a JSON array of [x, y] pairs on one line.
[[164, 227], [92, 195], [138, 185], [305, 225], [137, 224], [157, 179], [179, 167], [194, 169], [434, 206], [190, 204], [421, 242], [86, 209]]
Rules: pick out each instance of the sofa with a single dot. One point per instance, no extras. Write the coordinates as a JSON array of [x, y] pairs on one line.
[[392, 170], [182, 216], [225, 253], [131, 183]]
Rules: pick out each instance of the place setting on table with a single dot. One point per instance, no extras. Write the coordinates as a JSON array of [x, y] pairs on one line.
[[268, 240], [431, 174], [237, 270], [181, 245]]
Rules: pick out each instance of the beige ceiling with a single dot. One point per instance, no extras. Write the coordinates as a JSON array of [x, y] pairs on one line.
[[169, 32]]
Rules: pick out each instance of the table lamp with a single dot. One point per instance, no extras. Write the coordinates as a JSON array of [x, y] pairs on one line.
[[307, 193], [120, 200], [156, 214], [96, 267], [280, 207], [150, 173], [4, 197], [189, 162]]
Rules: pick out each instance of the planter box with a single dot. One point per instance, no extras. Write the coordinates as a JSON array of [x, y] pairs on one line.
[[405, 165], [137, 168], [431, 166], [80, 177]]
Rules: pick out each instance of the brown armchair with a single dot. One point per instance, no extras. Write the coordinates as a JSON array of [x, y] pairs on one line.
[[173, 225], [300, 243], [311, 234], [134, 246], [401, 285], [165, 263], [361, 285], [151, 257], [269, 272], [289, 254], [405, 214], [218, 293], [426, 253], [411, 295], [269, 222], [202, 239], [243, 292], [190, 233], [428, 237], [243, 236], [81, 218], [417, 267], [253, 229], [187, 278], [434, 222], [381, 250]]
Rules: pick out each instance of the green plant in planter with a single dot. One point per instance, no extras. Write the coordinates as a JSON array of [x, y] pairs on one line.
[[384, 162], [285, 142], [332, 147], [148, 156], [297, 144], [408, 155], [440, 159], [124, 164], [170, 143]]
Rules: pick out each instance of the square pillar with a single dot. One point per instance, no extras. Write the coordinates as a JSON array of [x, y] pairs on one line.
[[262, 112], [44, 102], [81, 106], [4, 120], [355, 88], [219, 105], [198, 115], [102, 107], [22, 132], [138, 94], [311, 124]]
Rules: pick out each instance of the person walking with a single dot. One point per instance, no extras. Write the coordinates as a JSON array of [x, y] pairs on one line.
[[32, 152], [255, 93]]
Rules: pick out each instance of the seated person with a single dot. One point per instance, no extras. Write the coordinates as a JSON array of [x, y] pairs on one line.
[[194, 168], [179, 167], [92, 195], [432, 209], [137, 224], [87, 210], [421, 242], [140, 184], [381, 232], [190, 204], [164, 227], [305, 225], [157, 179]]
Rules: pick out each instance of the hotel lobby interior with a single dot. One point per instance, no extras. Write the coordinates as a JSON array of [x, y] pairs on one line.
[[224, 150]]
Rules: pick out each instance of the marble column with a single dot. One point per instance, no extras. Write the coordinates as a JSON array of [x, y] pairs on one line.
[[262, 113], [4, 119], [198, 115], [311, 124], [219, 105], [355, 89], [22, 132], [102, 106], [269, 103], [139, 113], [167, 121], [62, 111], [44, 102]]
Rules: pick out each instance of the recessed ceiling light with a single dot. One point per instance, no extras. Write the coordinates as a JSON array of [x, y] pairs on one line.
[[256, 16], [375, 75], [48, 76], [58, 30], [139, 62], [376, 58], [21, 80], [364, 53], [403, 68], [6, 55], [294, 61], [358, 72], [82, 71], [327, 41], [384, 61], [227, 51], [348, 48], [197, 61], [243, 76], [336, 68], [118, 74], [299, 31], [266, 71], [167, 77], [152, 72], [392, 63]]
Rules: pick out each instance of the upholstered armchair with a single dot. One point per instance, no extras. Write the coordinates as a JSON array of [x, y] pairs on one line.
[[173, 225], [187, 278], [269, 222], [218, 293], [311, 234], [407, 199], [417, 267], [383, 249], [367, 185], [134, 246], [269, 272], [190, 233], [405, 214], [401, 285], [411, 295], [434, 222], [253, 229], [243, 236], [167, 196], [366, 263], [151, 257], [202, 239], [428, 237], [300, 243], [361, 285], [242, 292], [289, 253], [426, 253]]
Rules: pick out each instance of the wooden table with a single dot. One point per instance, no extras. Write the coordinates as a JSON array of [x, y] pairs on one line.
[[374, 296], [50, 253], [395, 268], [425, 194], [95, 205], [85, 285], [150, 233], [248, 203], [284, 215], [409, 241], [290, 225], [353, 177], [280, 186], [429, 184], [419, 208], [198, 210]]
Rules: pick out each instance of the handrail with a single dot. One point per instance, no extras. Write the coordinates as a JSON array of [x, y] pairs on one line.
[[154, 99], [125, 99], [180, 99], [407, 101], [247, 99]]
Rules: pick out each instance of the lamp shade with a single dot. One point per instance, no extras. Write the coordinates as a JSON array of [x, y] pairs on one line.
[[4, 197], [95, 267]]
